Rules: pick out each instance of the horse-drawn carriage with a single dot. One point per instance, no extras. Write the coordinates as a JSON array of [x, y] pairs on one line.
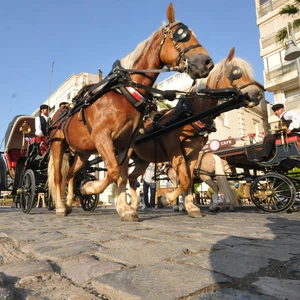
[[274, 186], [106, 118], [24, 165]]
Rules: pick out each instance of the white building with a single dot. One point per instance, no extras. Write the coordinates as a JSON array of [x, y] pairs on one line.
[[280, 77]]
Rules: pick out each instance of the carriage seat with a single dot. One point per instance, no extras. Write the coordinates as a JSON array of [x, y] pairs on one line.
[[12, 156], [36, 141], [290, 139]]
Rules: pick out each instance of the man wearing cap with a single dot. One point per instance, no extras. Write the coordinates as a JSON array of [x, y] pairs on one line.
[[292, 121], [42, 121]]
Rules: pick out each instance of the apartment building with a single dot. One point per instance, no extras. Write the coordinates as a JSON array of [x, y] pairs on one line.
[[280, 77]]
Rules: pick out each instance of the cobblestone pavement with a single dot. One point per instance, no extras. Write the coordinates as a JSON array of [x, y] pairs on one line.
[[168, 255]]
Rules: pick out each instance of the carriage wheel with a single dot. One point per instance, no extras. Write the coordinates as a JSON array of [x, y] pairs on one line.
[[296, 206], [89, 202], [28, 191], [273, 192]]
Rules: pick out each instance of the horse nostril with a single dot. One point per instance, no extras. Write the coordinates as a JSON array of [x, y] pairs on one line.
[[259, 96], [209, 64]]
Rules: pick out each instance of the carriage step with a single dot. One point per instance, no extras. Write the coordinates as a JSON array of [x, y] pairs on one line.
[[290, 139]]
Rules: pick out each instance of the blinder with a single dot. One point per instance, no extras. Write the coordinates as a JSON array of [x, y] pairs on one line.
[[235, 73], [181, 33]]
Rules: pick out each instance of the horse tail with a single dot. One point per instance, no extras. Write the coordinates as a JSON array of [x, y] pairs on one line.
[[223, 183], [64, 171]]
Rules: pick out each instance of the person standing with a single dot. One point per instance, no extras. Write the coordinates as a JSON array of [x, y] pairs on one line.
[[149, 184], [42, 124], [42, 121], [292, 121]]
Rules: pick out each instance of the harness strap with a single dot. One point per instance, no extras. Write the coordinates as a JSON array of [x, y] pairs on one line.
[[85, 121]]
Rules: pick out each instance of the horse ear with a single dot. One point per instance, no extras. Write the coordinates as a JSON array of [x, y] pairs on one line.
[[230, 55], [170, 13]]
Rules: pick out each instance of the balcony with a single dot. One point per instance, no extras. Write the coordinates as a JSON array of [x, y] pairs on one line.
[[283, 69], [269, 6]]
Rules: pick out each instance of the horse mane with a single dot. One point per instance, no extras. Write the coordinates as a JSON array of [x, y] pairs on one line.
[[219, 70], [128, 61]]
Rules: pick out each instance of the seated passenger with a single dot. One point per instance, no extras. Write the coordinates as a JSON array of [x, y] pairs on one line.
[[292, 121]]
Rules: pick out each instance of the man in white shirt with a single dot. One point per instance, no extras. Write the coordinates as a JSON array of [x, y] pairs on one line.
[[292, 121], [42, 121]]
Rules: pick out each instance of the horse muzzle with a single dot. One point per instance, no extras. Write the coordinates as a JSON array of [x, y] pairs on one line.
[[199, 65], [255, 95]]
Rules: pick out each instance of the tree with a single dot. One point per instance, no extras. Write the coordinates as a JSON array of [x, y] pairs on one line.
[[292, 10]]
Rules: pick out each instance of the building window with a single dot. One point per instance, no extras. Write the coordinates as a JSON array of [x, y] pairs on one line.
[[69, 96]]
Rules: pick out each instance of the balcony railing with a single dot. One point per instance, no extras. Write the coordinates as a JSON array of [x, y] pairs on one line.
[[282, 70], [271, 39], [269, 6]]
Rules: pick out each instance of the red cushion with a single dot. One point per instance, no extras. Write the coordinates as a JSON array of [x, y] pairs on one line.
[[289, 139], [12, 156]]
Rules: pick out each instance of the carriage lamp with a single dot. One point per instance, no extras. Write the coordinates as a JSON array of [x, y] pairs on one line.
[[292, 51]]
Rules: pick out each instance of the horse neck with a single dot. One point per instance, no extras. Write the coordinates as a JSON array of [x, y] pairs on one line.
[[198, 104], [149, 59]]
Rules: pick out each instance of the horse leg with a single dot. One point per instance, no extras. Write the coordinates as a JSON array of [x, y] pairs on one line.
[[114, 173], [44, 205], [77, 164], [184, 184], [193, 210], [57, 173], [214, 205], [139, 169], [179, 166], [124, 209]]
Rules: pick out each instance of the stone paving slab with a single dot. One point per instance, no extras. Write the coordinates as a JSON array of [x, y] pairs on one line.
[[242, 255], [280, 288], [160, 281]]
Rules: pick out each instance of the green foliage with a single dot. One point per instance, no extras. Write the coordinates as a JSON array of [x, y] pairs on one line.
[[294, 173], [211, 191], [196, 185], [281, 35], [289, 9]]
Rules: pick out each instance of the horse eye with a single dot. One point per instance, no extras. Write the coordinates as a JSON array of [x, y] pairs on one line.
[[235, 73]]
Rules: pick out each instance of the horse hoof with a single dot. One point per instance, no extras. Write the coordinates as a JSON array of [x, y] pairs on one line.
[[161, 202], [61, 213], [69, 210], [231, 210], [130, 218], [195, 214]]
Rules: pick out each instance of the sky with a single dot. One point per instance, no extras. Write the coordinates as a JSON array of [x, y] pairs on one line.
[[82, 36]]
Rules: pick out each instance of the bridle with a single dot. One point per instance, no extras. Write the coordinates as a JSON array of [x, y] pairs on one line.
[[181, 32], [235, 74]]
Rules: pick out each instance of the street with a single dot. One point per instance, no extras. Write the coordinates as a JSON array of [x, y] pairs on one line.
[[168, 255]]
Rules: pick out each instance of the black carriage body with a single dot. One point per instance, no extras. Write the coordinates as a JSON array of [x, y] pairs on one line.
[[276, 190]]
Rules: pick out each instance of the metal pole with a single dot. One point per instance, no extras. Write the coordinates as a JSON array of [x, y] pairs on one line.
[[51, 72]]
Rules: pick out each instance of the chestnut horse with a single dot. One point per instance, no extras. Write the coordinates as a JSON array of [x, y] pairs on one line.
[[182, 146], [108, 124]]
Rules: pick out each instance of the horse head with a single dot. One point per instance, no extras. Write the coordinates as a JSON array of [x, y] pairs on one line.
[[236, 73], [180, 45], [175, 46]]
